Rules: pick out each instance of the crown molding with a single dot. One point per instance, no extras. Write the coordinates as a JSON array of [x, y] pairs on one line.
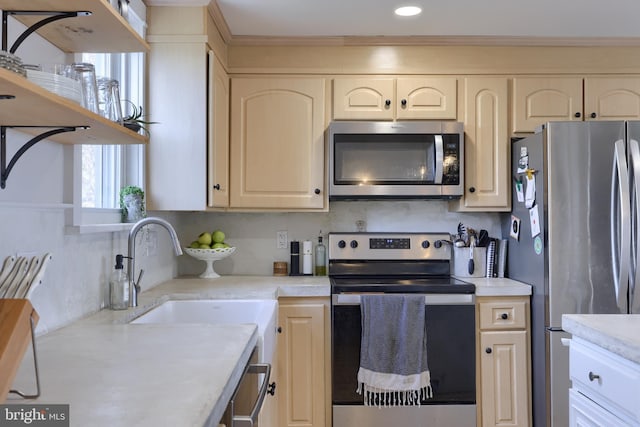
[[433, 41]]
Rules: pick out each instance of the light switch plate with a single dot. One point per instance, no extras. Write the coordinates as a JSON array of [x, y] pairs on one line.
[[282, 240]]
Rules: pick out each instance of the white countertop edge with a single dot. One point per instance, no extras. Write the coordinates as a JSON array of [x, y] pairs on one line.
[[617, 333], [498, 286]]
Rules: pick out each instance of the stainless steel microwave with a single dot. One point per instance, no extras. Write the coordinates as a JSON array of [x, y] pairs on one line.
[[417, 159]]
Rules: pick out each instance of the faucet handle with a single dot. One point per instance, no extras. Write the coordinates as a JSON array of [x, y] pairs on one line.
[[137, 283]]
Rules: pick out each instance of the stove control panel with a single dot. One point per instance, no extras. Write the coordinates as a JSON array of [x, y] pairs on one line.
[[389, 246]]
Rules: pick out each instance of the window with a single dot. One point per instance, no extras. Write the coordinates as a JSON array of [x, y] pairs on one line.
[[107, 168]]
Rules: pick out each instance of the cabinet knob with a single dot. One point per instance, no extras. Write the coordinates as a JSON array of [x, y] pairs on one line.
[[403, 102], [504, 316], [593, 377], [594, 115], [317, 191], [272, 389], [472, 189], [216, 187], [387, 102], [279, 330], [578, 115], [488, 350]]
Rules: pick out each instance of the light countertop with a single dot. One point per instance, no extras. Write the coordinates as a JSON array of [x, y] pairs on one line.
[[113, 373], [617, 333]]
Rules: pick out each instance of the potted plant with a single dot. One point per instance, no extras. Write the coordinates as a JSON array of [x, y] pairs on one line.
[[132, 203], [135, 120]]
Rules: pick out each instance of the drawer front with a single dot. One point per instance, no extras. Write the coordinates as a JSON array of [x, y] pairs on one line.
[[507, 314], [606, 378], [584, 412]]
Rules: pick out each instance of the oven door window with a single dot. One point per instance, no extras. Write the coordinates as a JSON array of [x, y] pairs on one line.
[[381, 159], [450, 354]]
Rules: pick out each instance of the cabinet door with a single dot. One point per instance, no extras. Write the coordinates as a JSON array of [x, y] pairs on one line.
[[612, 98], [503, 372], [218, 130], [487, 148], [426, 98], [363, 99], [301, 368], [537, 100], [177, 158], [277, 143]]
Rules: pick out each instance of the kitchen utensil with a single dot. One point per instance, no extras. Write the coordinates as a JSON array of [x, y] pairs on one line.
[[483, 238], [20, 276], [471, 263]]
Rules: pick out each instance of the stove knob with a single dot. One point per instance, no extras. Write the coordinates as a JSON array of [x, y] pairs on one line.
[[354, 244], [426, 244], [437, 244], [342, 244]]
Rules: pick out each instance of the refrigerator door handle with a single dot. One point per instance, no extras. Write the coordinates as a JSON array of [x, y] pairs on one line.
[[620, 225], [634, 287]]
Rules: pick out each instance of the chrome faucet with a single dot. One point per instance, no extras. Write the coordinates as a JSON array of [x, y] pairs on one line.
[[134, 287]]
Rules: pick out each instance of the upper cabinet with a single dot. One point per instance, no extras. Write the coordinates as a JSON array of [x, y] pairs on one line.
[[277, 143], [537, 100], [402, 98], [612, 98], [487, 151], [188, 161], [27, 104]]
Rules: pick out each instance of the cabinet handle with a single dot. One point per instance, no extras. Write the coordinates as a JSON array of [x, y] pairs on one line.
[[578, 114], [387, 102], [317, 191], [593, 377], [472, 189], [403, 102], [488, 350], [504, 316], [279, 330], [594, 115], [216, 187]]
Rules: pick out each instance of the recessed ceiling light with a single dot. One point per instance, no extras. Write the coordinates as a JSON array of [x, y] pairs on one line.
[[408, 11]]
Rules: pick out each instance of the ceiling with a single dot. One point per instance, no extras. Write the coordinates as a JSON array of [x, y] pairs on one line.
[[564, 19]]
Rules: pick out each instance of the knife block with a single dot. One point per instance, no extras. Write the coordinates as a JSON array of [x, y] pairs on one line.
[[15, 336]]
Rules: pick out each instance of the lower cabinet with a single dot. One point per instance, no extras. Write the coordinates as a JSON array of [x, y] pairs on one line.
[[604, 387], [504, 362], [304, 363]]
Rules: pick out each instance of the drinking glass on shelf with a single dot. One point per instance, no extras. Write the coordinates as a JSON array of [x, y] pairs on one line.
[[87, 76], [109, 99]]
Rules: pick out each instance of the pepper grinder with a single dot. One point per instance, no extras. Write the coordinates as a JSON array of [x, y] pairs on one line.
[[307, 251], [295, 258]]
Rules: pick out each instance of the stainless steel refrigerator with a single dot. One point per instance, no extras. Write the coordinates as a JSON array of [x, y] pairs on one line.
[[584, 258]]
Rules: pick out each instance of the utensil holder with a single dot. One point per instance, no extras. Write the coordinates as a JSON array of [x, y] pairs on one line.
[[461, 257]]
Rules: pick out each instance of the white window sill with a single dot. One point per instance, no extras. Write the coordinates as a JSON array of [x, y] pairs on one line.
[[97, 228]]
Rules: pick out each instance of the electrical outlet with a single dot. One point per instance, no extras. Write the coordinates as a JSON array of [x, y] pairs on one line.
[[282, 240]]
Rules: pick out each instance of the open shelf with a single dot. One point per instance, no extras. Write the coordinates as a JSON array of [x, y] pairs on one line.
[[104, 31], [35, 106]]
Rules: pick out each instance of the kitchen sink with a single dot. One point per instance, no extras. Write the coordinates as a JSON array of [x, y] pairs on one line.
[[263, 313]]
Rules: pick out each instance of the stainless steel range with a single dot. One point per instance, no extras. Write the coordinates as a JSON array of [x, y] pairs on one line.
[[403, 263]]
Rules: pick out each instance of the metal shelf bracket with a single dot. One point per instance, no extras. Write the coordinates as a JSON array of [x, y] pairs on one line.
[[52, 17], [5, 168]]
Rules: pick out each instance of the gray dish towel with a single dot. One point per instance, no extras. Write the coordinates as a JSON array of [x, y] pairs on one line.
[[393, 352]]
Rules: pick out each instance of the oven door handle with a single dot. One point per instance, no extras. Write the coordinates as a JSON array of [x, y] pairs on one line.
[[429, 299]]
